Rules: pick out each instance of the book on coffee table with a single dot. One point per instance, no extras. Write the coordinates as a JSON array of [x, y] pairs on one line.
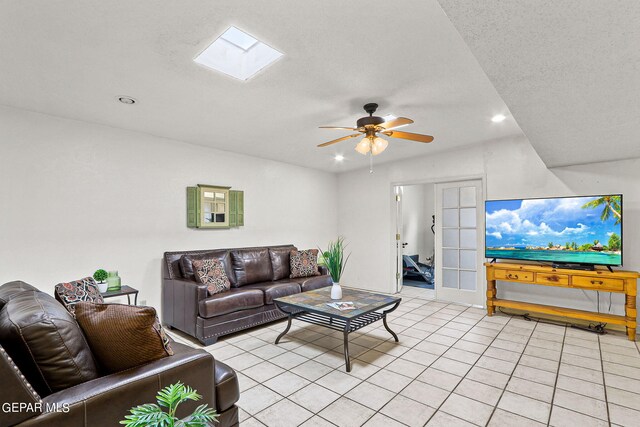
[[342, 306]]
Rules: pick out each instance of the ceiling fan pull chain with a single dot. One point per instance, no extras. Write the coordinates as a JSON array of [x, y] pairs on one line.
[[370, 162]]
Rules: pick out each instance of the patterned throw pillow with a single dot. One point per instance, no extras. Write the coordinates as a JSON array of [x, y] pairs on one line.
[[211, 272], [83, 290], [304, 263]]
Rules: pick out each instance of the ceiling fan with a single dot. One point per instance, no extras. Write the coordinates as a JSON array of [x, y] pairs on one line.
[[372, 126]]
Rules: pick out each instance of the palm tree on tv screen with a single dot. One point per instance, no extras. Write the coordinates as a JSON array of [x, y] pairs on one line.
[[610, 204]]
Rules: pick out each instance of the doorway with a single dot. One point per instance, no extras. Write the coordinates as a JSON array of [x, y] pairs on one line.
[[439, 236], [416, 249]]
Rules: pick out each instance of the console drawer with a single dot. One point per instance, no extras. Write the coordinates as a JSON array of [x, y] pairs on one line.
[[525, 276], [552, 279], [597, 283]]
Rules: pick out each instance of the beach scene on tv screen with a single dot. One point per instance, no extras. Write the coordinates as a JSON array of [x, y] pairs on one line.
[[573, 229]]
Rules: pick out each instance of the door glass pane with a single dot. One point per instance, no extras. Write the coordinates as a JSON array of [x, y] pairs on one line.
[[450, 258], [468, 259], [450, 278], [468, 217], [467, 196], [450, 217], [468, 280], [468, 239], [450, 238], [450, 198]]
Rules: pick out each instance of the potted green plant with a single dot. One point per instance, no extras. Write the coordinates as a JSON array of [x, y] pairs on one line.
[[100, 276], [335, 262], [170, 397]]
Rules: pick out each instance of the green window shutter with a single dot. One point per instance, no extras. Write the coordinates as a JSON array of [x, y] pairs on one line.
[[192, 208], [233, 208], [240, 209]]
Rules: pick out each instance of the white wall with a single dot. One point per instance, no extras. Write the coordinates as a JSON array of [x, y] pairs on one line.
[[417, 208], [413, 220], [429, 210], [75, 197], [512, 169]]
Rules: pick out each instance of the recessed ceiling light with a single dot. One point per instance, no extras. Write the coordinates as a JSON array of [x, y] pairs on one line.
[[127, 100], [238, 54], [498, 118], [339, 157]]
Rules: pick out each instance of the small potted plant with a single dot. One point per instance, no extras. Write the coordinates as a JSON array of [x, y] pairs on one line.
[[335, 262], [100, 276], [170, 397]]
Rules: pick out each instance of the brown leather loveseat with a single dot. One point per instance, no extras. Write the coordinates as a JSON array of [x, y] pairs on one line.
[[257, 276], [49, 377]]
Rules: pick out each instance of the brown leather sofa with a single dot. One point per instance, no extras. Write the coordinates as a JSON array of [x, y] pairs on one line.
[[45, 361], [257, 276]]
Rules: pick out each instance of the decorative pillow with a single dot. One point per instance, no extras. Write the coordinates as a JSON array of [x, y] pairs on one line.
[[123, 336], [71, 293], [222, 255], [211, 272], [45, 342], [304, 263]]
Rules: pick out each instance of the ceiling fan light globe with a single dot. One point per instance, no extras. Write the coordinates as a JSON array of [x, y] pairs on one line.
[[378, 146], [363, 146]]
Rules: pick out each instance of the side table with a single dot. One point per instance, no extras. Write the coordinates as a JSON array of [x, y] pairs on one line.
[[124, 290]]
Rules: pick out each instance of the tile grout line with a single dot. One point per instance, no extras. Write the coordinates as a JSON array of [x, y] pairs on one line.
[[465, 375], [511, 375], [604, 383], [555, 384]]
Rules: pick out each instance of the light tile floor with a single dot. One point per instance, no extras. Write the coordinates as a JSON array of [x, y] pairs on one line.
[[453, 366]]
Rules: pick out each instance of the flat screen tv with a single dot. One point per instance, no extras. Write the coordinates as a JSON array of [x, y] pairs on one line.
[[584, 230]]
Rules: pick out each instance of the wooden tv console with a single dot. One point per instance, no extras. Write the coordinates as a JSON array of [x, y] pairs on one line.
[[599, 280]]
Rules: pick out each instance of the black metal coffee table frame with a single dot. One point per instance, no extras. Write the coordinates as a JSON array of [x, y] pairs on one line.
[[334, 321]]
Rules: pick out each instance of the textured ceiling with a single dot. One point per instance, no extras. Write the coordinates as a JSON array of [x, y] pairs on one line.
[[568, 70], [72, 59]]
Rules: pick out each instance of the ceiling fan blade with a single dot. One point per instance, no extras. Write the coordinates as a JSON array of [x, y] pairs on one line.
[[399, 121], [337, 127], [410, 136], [338, 140]]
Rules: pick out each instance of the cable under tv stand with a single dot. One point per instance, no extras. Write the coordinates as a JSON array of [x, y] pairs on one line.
[[624, 282], [573, 266]]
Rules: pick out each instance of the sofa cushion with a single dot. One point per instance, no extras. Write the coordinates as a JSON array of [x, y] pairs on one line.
[[222, 255], [46, 343], [276, 290], [304, 263], [123, 336], [251, 266], [227, 388], [71, 293], [280, 262], [233, 300], [11, 289], [211, 272]]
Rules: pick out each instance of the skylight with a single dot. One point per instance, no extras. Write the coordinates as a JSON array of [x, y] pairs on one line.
[[238, 54]]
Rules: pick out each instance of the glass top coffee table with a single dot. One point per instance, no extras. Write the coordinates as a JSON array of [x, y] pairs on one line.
[[311, 307]]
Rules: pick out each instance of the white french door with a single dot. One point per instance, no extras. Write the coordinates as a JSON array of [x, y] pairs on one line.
[[459, 237]]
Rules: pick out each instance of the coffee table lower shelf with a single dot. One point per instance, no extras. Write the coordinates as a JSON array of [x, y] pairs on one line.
[[346, 326]]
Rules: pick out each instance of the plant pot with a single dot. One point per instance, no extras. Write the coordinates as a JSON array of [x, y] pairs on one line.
[[336, 291], [102, 287]]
